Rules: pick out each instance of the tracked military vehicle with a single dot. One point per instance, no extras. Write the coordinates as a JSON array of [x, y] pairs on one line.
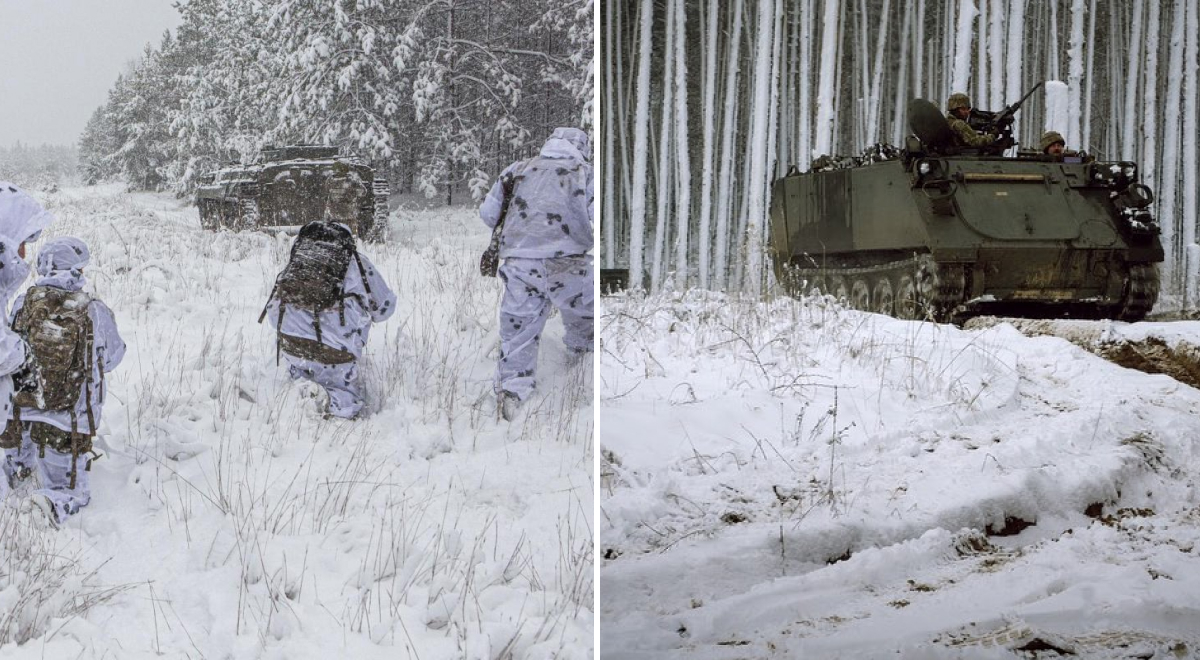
[[943, 232], [289, 187]]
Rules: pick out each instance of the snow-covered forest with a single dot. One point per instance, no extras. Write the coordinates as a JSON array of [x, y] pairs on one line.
[[440, 94], [705, 103], [38, 167]]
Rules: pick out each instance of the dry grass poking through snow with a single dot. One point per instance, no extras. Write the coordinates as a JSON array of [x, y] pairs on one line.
[[253, 527]]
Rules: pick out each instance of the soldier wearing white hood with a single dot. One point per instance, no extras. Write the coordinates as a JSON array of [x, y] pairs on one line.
[[56, 438], [22, 218], [545, 242], [323, 340]]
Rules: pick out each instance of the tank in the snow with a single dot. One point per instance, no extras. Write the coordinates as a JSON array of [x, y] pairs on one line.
[[944, 232], [289, 187]]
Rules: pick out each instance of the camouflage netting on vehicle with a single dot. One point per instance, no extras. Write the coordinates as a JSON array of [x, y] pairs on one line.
[[876, 153]]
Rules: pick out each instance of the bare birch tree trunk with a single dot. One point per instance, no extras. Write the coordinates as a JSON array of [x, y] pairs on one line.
[[898, 127], [724, 191], [875, 131], [662, 187], [1150, 107], [1192, 274], [1129, 124], [1085, 141], [710, 141], [1075, 75], [1012, 75], [826, 86], [608, 216], [962, 48], [637, 204], [919, 66], [772, 139], [683, 158], [1167, 208], [804, 152], [756, 209], [981, 78], [1053, 70], [996, 53]]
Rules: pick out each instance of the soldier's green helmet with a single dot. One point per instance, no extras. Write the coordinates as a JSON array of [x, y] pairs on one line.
[[1049, 138], [958, 100]]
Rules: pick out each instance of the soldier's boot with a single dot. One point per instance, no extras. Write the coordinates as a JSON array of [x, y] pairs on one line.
[[44, 507], [508, 404]]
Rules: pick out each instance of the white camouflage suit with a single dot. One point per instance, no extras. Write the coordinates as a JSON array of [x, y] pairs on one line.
[[60, 264], [13, 271], [545, 245], [341, 381], [22, 219]]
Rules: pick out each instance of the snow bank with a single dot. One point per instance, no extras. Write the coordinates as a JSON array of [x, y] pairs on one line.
[[794, 478]]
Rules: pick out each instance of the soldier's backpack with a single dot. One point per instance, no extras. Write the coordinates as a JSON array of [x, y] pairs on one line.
[[58, 329], [56, 326], [312, 280]]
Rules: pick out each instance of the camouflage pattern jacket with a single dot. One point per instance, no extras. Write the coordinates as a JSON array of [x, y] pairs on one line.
[[552, 206], [966, 136]]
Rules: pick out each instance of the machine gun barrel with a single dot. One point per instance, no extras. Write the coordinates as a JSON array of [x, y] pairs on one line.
[[1011, 110]]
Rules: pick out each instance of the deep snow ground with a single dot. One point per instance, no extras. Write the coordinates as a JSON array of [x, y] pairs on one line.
[[791, 479], [230, 521]]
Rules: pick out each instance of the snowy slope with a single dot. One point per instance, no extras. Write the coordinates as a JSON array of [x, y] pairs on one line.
[[792, 479], [230, 521]]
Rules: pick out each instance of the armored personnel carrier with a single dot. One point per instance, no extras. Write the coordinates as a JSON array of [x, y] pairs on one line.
[[289, 187], [944, 232]]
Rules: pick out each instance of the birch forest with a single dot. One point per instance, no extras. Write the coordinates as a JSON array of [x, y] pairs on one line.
[[704, 103]]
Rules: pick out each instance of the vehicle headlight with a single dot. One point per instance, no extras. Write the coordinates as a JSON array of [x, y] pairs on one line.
[[1128, 171], [924, 168]]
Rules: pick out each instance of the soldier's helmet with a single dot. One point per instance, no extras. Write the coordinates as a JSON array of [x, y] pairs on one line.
[[1049, 138], [958, 100]]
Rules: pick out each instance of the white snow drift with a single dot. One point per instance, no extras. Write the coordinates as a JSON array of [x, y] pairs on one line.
[[792, 479]]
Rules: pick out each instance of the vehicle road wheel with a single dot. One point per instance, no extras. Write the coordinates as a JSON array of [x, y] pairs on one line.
[[838, 288], [860, 295], [883, 296], [208, 216], [248, 214], [230, 216], [381, 192], [906, 298]]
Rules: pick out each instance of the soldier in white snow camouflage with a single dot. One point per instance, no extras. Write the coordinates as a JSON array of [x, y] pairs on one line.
[[323, 344], [545, 243], [22, 218], [13, 271], [53, 426]]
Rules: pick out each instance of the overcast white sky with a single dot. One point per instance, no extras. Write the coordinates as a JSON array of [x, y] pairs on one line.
[[58, 59]]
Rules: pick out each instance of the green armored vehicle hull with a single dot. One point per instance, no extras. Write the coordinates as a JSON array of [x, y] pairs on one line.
[[291, 186], [951, 233]]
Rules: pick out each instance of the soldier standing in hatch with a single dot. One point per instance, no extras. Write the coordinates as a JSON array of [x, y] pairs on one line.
[[958, 109], [1054, 144]]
